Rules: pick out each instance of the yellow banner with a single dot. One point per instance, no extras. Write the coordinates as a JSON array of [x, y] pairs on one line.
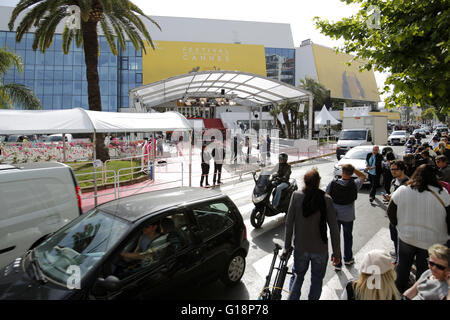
[[174, 58], [345, 82]]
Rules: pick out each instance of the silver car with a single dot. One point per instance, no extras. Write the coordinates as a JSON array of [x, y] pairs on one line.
[[398, 137], [357, 157]]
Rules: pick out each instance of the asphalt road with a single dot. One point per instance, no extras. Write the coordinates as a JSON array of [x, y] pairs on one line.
[[370, 232]]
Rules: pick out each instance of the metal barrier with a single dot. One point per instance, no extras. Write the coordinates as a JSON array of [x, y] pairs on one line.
[[93, 181], [153, 185]]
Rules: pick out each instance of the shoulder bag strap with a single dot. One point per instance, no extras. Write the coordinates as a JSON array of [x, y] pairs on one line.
[[440, 200]]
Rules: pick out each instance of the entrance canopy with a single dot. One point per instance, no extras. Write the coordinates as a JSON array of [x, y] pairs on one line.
[[84, 121], [244, 88]]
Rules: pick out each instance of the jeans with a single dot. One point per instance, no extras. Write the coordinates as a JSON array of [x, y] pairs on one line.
[[406, 254], [348, 239], [205, 171], [218, 171], [301, 265], [374, 182], [276, 198], [394, 238]]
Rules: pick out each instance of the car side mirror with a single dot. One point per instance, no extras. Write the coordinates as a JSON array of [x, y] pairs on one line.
[[111, 283]]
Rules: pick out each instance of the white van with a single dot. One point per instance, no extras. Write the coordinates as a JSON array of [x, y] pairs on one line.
[[35, 201]]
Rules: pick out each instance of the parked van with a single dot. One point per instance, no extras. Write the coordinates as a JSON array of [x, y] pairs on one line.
[[35, 201]]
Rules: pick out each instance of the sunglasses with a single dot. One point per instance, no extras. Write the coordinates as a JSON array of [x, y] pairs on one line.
[[432, 264]]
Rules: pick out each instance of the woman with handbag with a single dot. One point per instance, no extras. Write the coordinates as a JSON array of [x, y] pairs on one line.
[[420, 211]]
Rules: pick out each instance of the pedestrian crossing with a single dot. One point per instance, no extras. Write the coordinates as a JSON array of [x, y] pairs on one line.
[[259, 261]]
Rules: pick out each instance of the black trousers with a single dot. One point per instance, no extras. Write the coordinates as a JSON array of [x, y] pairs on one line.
[[374, 183], [205, 172], [406, 255], [218, 171]]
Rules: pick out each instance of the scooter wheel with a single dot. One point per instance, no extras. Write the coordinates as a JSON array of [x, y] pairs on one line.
[[257, 218]]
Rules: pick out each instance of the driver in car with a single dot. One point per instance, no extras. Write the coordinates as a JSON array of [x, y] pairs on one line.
[[281, 178], [146, 244]]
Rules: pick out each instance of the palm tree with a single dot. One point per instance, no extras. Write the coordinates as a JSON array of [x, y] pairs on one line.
[[14, 93], [118, 20], [319, 91]]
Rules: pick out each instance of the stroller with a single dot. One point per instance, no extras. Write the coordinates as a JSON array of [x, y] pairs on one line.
[[274, 292]]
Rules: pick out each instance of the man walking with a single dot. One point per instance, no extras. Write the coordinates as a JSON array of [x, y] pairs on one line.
[[310, 212], [444, 169], [374, 167], [344, 192], [218, 154], [397, 168]]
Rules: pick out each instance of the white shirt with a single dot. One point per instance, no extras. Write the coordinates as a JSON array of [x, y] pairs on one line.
[[420, 216]]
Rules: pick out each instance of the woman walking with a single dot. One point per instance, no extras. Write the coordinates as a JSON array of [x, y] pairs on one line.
[[419, 209]]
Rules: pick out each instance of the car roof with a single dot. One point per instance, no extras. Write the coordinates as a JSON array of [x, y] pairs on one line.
[[135, 207]]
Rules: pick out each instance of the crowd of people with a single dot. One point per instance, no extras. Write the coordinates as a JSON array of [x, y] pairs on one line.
[[418, 204]]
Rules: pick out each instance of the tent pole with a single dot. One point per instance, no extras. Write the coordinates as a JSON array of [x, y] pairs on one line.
[[310, 116], [64, 147], [153, 156], [191, 134], [95, 170]]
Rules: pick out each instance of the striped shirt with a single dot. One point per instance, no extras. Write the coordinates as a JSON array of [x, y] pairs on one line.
[[421, 216]]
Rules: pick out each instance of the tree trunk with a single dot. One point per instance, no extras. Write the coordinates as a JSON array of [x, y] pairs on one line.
[[302, 126], [287, 124], [91, 51]]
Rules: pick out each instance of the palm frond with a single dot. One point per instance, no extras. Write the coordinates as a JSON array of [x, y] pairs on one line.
[[8, 60], [67, 37], [21, 6], [5, 100], [108, 32], [22, 96]]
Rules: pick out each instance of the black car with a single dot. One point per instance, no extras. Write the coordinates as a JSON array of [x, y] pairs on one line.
[[142, 246]]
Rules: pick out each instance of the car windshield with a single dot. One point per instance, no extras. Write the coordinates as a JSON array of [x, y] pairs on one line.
[[357, 154], [353, 135], [398, 133], [80, 244]]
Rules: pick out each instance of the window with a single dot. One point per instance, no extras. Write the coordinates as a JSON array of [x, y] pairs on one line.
[[152, 244], [124, 63], [138, 78], [212, 218]]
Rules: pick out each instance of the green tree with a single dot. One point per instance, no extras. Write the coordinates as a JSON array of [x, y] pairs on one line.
[[408, 39], [118, 19], [15, 93], [320, 94]]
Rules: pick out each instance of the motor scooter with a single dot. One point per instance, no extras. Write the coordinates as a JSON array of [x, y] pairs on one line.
[[265, 185]]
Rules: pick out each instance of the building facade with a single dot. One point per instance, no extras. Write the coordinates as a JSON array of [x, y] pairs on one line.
[[59, 80]]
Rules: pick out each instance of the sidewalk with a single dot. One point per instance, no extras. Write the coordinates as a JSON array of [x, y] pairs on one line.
[[174, 172]]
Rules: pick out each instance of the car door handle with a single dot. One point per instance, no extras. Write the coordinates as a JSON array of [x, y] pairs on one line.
[[7, 249]]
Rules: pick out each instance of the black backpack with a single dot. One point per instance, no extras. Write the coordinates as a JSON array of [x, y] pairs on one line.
[[343, 194]]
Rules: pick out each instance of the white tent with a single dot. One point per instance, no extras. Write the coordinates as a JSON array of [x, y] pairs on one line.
[[325, 116], [79, 120], [84, 121]]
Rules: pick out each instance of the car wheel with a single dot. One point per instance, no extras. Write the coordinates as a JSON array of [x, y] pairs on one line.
[[235, 270], [257, 217]]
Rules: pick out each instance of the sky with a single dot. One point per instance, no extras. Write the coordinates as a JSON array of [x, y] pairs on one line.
[[299, 14]]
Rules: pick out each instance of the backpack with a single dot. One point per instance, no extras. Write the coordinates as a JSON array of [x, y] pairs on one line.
[[343, 195]]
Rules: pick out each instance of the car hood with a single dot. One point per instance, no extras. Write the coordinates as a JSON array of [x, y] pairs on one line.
[[16, 283], [350, 143], [396, 137], [357, 163]]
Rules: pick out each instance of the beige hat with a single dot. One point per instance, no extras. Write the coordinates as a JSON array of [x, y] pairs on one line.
[[376, 261]]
